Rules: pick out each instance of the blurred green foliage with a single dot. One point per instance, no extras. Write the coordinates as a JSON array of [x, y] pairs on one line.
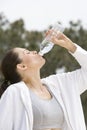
[[15, 35]]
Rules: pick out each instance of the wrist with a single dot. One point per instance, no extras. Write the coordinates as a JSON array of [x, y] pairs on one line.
[[72, 48]]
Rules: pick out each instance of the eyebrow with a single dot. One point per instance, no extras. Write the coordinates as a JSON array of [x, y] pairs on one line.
[[25, 50]]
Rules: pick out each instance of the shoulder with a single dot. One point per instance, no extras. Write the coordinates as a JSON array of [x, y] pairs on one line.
[[53, 77], [12, 97], [59, 78], [16, 86], [13, 89]]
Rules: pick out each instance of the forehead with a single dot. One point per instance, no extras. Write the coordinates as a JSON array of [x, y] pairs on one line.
[[21, 50], [18, 49]]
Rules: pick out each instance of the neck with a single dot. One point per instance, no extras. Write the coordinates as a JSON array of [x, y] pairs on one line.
[[33, 79]]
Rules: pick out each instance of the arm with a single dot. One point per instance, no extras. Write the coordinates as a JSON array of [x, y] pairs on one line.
[[79, 76]]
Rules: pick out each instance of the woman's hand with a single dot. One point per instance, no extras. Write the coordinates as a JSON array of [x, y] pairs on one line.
[[60, 39]]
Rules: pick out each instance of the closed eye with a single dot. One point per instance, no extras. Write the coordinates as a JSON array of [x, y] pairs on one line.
[[26, 51]]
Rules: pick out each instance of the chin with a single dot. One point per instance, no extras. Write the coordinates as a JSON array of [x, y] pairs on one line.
[[43, 62]]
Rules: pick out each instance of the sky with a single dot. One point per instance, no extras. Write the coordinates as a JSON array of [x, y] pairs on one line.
[[39, 14]]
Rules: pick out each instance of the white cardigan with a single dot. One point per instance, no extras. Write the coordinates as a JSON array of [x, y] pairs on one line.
[[16, 107]]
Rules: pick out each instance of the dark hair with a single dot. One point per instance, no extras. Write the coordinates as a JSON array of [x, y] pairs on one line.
[[9, 71]]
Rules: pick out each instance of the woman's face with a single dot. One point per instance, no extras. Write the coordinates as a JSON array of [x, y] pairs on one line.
[[31, 59]]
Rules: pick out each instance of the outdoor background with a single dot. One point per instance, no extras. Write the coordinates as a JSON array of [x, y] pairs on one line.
[[23, 23]]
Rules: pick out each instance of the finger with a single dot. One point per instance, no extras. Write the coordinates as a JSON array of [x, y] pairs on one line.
[[57, 41], [62, 36], [48, 32], [58, 34]]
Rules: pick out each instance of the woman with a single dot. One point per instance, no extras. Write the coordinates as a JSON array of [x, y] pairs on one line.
[[51, 103]]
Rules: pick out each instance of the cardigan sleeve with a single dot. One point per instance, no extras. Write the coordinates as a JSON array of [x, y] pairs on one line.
[[6, 110], [78, 77], [81, 56]]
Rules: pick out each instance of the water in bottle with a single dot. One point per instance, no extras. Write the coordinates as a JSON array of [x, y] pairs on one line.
[[46, 44]]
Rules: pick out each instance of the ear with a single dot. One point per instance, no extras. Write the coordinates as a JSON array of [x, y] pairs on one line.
[[21, 67]]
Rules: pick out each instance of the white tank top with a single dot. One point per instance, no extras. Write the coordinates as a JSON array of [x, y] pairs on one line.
[[47, 113]]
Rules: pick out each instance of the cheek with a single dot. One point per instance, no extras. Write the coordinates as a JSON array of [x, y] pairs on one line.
[[37, 62], [27, 60], [34, 61], [30, 62]]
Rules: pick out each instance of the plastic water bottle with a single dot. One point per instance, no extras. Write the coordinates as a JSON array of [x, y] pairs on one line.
[[46, 44]]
